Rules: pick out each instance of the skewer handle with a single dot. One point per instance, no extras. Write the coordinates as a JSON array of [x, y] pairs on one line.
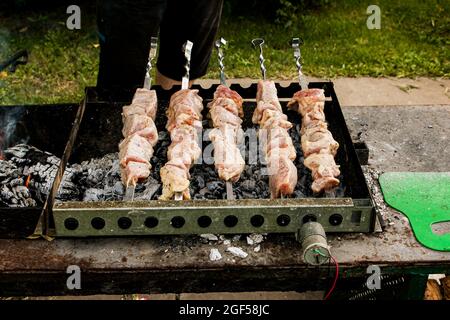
[[151, 56], [260, 42], [296, 43], [187, 49], [219, 43]]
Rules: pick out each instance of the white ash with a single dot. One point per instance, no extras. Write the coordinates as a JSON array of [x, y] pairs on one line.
[[209, 237], [214, 255], [237, 251], [226, 242], [99, 180], [257, 248], [372, 176], [255, 239], [236, 238], [24, 163]]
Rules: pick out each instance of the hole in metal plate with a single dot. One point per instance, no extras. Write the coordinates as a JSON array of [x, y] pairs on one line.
[[98, 223], [335, 219], [230, 221], [204, 221], [257, 220], [309, 218], [71, 224], [177, 222], [151, 222], [283, 220], [124, 223]]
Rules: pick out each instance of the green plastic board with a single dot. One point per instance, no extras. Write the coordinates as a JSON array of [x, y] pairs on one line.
[[424, 197]]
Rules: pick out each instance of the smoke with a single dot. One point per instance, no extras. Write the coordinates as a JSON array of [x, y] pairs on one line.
[[9, 119]]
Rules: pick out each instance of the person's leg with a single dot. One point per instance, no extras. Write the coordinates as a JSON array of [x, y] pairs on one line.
[[194, 20], [125, 28]]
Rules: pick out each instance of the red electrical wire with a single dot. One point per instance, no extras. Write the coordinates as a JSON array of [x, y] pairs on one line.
[[335, 278]]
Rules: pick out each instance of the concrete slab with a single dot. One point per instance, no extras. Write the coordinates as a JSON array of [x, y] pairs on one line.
[[377, 91], [403, 138]]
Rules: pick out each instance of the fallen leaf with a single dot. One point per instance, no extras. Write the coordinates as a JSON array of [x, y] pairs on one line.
[[3, 74]]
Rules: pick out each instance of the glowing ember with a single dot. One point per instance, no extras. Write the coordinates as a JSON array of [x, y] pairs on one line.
[[27, 182]]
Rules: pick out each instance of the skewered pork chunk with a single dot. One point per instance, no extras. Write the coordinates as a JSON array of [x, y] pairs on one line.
[[142, 125], [225, 112], [223, 92], [135, 148], [306, 100], [318, 145], [324, 170], [275, 140], [184, 120], [175, 179], [140, 134], [135, 171], [227, 156], [283, 175], [318, 138], [146, 100]]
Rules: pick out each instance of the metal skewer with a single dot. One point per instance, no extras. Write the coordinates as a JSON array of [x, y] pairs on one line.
[[151, 56], [130, 190], [296, 43], [260, 42], [187, 49], [219, 43]]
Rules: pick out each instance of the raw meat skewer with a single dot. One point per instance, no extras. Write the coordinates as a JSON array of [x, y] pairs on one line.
[[318, 145], [184, 121], [139, 131], [226, 113], [274, 136]]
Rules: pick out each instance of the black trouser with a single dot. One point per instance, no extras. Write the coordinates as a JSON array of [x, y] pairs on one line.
[[126, 26]]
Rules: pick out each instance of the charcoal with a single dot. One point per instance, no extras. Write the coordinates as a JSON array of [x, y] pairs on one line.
[[299, 194], [151, 188], [24, 164], [199, 181], [248, 185], [248, 195], [118, 188], [99, 179], [93, 194], [204, 191], [214, 185]]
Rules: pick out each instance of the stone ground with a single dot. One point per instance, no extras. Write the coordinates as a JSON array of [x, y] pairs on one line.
[[400, 99]]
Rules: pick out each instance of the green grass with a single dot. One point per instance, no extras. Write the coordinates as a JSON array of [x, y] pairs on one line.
[[413, 41]]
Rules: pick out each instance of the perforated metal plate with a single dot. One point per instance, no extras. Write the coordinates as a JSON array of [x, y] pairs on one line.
[[212, 216]]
